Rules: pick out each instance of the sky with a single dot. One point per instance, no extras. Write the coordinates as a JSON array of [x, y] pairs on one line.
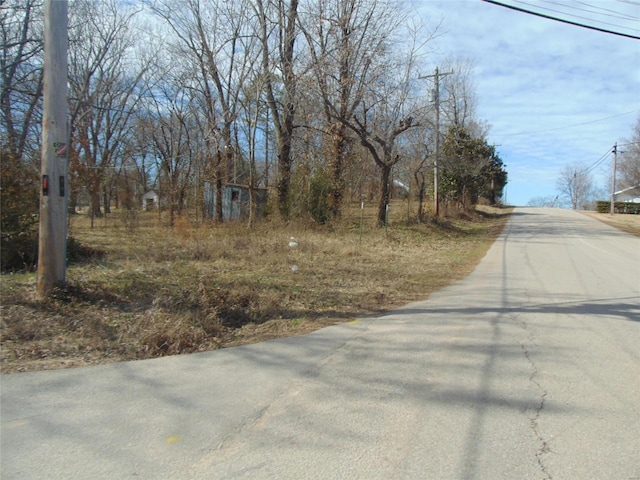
[[555, 95]]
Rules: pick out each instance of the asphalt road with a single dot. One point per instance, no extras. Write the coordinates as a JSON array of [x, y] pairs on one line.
[[527, 369]]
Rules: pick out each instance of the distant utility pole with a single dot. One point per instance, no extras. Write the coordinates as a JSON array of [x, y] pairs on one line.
[[436, 94], [55, 152], [613, 180]]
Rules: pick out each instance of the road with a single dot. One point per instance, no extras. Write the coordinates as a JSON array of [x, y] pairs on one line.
[[529, 368]]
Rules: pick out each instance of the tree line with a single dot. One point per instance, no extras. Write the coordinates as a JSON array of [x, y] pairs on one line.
[[318, 101]]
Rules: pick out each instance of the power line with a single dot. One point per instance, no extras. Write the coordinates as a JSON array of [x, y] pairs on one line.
[[569, 22], [598, 162], [567, 126], [573, 15], [612, 13]]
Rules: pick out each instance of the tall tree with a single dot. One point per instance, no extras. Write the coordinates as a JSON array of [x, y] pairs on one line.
[[629, 165], [216, 38], [254, 112], [470, 169], [344, 38], [421, 154], [170, 128], [105, 83], [493, 178], [277, 31], [21, 76], [459, 95], [388, 109], [575, 186]]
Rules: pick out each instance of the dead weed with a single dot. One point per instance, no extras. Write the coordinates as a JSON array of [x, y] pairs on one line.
[[160, 291]]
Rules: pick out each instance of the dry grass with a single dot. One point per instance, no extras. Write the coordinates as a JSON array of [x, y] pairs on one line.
[[160, 291], [627, 223]]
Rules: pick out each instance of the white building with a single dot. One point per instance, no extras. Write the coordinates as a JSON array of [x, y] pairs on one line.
[[631, 195], [150, 200]]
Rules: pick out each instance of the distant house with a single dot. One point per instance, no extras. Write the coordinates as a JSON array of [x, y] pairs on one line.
[[150, 200], [235, 201], [631, 195]]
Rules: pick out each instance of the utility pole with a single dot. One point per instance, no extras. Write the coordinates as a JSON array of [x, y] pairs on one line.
[[55, 152], [436, 93], [613, 179]]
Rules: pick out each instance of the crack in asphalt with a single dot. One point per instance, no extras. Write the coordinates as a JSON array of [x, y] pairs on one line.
[[533, 421]]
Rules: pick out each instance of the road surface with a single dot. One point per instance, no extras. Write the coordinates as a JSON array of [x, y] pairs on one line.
[[527, 369]]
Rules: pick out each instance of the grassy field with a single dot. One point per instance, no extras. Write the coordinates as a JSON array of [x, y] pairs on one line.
[[151, 290]]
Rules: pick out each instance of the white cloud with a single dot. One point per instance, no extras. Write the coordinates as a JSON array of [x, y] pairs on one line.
[[555, 94]]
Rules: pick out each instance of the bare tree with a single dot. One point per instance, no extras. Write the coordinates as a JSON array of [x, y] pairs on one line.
[[551, 201], [216, 38], [575, 186], [421, 154], [21, 76], [629, 165], [459, 95], [254, 112], [277, 31], [105, 84], [169, 127], [388, 109], [344, 38]]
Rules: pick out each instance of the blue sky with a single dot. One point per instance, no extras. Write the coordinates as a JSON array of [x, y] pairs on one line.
[[554, 94]]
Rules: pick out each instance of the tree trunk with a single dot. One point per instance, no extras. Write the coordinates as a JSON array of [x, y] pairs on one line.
[[282, 117], [219, 185], [95, 205], [172, 207], [420, 183], [284, 178], [106, 200], [340, 142], [217, 172], [385, 176]]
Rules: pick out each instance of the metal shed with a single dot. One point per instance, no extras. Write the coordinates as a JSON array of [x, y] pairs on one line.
[[235, 201]]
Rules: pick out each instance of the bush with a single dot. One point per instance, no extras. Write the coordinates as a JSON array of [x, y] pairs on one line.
[[19, 198], [604, 206], [319, 189], [20, 195]]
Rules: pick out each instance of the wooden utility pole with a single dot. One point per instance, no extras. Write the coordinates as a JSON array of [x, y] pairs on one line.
[[613, 178], [55, 152], [436, 94]]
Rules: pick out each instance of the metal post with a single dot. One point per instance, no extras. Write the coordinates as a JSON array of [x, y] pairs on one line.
[[55, 152]]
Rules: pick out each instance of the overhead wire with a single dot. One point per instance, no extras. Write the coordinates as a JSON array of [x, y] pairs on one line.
[[569, 22], [598, 162], [612, 13], [573, 15], [568, 126], [596, 12]]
